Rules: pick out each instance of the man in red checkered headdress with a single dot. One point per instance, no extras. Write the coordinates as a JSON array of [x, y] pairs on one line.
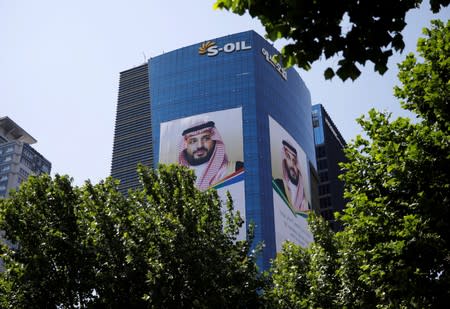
[[203, 150]]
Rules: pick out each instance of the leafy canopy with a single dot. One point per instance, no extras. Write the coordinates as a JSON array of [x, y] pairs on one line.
[[355, 31], [394, 251], [166, 245]]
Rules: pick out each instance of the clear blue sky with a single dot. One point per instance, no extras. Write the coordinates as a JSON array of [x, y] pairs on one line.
[[60, 64]]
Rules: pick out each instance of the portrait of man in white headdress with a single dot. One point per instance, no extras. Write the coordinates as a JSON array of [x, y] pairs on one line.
[[290, 171], [291, 187], [292, 183], [202, 149], [207, 144]]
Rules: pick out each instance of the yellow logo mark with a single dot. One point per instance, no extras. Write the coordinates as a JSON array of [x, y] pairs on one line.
[[203, 49]]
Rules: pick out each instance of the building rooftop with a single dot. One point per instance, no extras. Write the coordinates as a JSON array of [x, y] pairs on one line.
[[12, 131]]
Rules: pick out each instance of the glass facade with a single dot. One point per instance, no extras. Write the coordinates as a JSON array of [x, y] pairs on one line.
[[236, 71], [317, 121], [329, 152]]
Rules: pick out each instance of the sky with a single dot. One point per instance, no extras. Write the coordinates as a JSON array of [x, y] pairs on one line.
[[60, 63]]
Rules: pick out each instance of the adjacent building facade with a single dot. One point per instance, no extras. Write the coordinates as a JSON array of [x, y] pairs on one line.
[[18, 159], [225, 108], [329, 152], [133, 128]]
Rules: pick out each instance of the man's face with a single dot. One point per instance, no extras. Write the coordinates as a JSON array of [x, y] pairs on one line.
[[199, 148], [291, 166]]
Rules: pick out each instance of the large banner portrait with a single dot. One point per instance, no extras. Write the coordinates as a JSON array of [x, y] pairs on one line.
[[291, 187], [212, 145]]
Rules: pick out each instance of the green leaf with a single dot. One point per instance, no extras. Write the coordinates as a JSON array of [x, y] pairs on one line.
[[329, 73]]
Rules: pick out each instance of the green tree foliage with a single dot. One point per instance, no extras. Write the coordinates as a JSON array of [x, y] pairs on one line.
[[49, 266], [306, 277], [398, 219], [355, 31], [166, 245], [395, 249], [425, 88]]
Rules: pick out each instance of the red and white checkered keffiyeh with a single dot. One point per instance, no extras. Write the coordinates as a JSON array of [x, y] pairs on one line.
[[216, 168], [298, 201]]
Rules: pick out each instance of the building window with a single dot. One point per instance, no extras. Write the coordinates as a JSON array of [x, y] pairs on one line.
[[23, 172], [45, 169], [325, 202], [322, 164], [323, 176], [27, 163], [5, 168], [9, 149], [320, 152], [327, 215], [28, 155], [315, 120], [315, 123], [324, 189], [3, 178], [8, 158]]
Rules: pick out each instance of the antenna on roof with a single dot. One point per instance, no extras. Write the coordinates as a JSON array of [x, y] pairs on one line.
[[145, 57]]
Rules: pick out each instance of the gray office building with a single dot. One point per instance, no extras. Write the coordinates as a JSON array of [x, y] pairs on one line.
[[133, 130], [18, 159]]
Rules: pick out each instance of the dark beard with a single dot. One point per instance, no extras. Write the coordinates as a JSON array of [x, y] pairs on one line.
[[292, 179], [193, 161]]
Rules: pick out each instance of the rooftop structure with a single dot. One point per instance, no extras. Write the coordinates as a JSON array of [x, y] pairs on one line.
[[18, 159]]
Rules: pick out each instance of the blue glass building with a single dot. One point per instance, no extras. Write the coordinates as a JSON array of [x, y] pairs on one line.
[[231, 73]]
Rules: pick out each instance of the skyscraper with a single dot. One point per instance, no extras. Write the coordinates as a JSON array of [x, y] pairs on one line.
[[18, 159], [329, 152], [133, 129], [225, 108]]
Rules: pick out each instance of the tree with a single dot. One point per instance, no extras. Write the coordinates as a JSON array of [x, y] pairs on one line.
[[306, 277], [194, 258], [394, 251], [398, 218], [165, 245], [289, 278], [356, 31], [50, 266]]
